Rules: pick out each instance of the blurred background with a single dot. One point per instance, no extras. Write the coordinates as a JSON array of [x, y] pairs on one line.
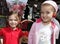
[[31, 9]]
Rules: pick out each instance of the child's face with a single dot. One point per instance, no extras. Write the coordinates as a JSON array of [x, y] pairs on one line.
[[13, 20], [46, 13]]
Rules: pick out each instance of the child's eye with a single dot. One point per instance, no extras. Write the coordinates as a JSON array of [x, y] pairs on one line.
[[41, 12], [15, 19], [10, 19], [47, 12]]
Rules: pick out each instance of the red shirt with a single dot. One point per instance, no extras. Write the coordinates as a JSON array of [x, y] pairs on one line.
[[11, 36]]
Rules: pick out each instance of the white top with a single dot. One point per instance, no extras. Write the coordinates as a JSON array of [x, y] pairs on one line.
[[44, 34]]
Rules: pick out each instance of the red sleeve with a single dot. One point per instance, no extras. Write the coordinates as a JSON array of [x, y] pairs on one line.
[[21, 33], [1, 32]]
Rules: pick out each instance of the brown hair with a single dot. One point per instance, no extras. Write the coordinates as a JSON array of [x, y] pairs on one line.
[[11, 13]]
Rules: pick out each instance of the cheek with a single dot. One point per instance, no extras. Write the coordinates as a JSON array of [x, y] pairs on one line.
[[9, 22], [17, 22], [50, 16], [41, 15], [13, 22]]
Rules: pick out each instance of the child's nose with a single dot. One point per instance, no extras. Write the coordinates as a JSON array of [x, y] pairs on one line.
[[44, 14], [13, 21]]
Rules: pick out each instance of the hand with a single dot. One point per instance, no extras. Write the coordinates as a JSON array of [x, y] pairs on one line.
[[24, 39]]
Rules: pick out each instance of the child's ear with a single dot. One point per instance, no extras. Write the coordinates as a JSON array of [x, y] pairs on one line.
[[54, 15]]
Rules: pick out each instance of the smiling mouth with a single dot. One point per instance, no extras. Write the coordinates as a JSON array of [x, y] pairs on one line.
[[13, 24], [44, 18]]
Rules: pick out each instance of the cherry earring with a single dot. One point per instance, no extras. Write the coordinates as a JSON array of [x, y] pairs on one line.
[[54, 15]]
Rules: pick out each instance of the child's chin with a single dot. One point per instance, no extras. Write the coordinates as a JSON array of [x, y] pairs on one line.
[[45, 21], [13, 26]]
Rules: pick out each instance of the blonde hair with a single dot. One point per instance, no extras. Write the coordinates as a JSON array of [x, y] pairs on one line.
[[49, 5]]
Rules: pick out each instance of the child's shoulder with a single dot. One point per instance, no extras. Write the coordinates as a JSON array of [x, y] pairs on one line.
[[19, 29], [37, 22], [55, 26], [4, 28]]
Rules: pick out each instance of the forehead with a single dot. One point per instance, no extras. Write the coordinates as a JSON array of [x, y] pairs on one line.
[[47, 7], [13, 16]]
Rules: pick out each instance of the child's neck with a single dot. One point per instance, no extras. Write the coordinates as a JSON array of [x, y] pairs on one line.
[[46, 23], [14, 28]]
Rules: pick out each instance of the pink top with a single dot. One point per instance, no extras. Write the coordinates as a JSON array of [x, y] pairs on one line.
[[32, 39]]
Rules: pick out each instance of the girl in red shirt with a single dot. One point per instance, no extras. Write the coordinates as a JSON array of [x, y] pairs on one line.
[[12, 33]]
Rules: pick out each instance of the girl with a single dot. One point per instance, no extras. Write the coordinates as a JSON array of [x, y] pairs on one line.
[[12, 32], [44, 30]]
